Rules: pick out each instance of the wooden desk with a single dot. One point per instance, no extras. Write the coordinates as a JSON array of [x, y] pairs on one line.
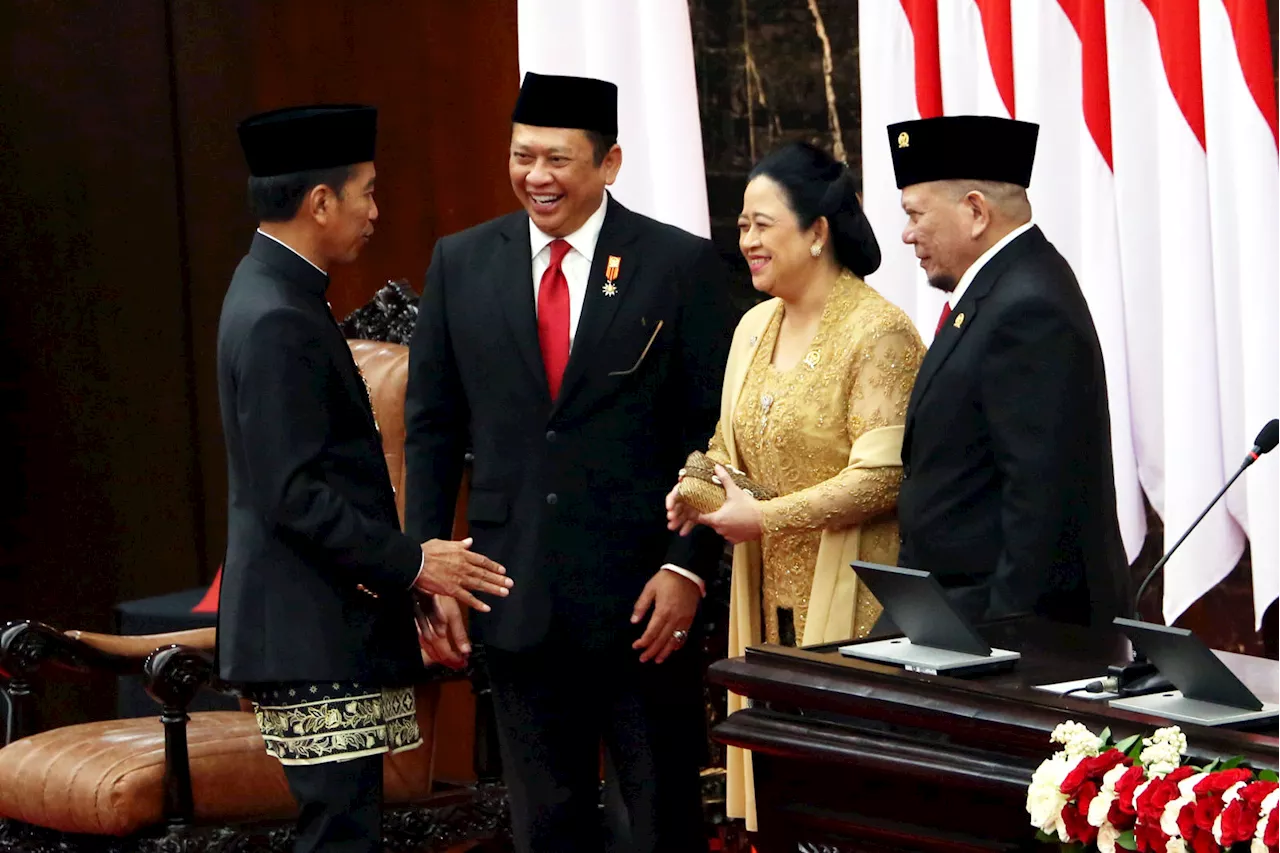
[[852, 755]]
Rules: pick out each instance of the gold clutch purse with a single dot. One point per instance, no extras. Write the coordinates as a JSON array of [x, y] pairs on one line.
[[701, 489]]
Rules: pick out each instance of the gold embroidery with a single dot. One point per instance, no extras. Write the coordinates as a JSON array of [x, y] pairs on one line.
[[339, 725], [799, 442]]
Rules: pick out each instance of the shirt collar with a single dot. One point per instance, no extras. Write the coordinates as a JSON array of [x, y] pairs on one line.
[[583, 240], [295, 251], [953, 299]]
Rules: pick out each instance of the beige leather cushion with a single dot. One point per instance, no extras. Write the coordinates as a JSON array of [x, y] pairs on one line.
[[107, 778], [386, 374]]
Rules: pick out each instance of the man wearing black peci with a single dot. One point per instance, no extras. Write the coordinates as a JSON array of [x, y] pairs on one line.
[[1008, 492], [577, 348], [316, 617]]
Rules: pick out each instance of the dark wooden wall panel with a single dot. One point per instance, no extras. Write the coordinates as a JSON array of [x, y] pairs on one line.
[[93, 314]]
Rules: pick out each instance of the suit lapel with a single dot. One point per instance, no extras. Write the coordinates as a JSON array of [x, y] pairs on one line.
[[513, 290], [617, 236], [961, 319]]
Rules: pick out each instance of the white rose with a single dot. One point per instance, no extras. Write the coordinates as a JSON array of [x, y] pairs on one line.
[[1101, 804], [1107, 837], [1044, 795], [1186, 795], [1176, 845]]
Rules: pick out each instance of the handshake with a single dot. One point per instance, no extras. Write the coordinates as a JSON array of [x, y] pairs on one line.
[[450, 576]]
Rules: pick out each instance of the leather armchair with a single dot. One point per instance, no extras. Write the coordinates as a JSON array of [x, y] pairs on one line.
[[119, 777]]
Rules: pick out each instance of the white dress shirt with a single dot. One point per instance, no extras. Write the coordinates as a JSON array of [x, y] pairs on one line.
[[953, 298], [576, 264], [577, 269]]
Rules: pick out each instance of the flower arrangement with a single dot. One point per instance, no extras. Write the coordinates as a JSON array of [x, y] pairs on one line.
[[1139, 795]]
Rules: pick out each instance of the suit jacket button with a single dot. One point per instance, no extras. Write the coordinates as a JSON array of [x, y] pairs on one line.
[[551, 435], [552, 499], [906, 471]]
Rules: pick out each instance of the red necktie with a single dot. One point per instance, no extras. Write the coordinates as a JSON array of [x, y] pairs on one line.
[[553, 318], [942, 320]]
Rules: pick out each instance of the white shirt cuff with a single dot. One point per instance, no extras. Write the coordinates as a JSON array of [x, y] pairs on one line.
[[688, 575]]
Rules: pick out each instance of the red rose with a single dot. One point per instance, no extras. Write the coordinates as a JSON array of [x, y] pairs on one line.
[[1091, 768], [1157, 795], [1207, 809], [1122, 812], [1149, 838], [1201, 841], [1187, 821], [1240, 818], [1269, 834], [1076, 820], [1219, 781]]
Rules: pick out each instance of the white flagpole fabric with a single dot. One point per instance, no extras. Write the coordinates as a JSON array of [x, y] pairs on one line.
[[1240, 139], [646, 47], [1157, 178]]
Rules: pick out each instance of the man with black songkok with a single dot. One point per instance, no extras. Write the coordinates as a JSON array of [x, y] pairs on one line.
[[316, 615], [1008, 493], [576, 349]]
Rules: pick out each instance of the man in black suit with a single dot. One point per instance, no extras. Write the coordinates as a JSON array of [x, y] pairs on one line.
[[576, 349], [1008, 493], [316, 616]]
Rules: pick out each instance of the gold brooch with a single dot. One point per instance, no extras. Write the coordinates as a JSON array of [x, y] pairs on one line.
[[904, 141], [812, 358], [959, 320], [610, 289]]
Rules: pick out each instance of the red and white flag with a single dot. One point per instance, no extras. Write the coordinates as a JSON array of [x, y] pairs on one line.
[[1156, 177]]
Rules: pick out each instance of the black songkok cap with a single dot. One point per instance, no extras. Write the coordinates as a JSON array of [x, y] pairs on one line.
[[584, 103], [300, 139], [979, 148]]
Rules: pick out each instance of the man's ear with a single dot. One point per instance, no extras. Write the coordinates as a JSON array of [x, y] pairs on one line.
[[979, 210], [319, 203], [612, 164]]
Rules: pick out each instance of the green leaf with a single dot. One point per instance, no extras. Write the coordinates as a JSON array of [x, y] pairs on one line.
[[1135, 751], [1127, 841], [1127, 744], [1232, 763], [1212, 766], [1104, 738], [1045, 837], [1269, 776]]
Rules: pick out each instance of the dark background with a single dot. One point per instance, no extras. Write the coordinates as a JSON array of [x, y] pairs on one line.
[[122, 217]]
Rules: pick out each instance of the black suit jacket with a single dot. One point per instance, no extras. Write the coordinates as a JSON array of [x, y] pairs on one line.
[[1007, 472], [567, 494], [311, 514]]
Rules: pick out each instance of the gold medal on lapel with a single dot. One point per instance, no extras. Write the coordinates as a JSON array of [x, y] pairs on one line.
[[959, 320], [611, 271]]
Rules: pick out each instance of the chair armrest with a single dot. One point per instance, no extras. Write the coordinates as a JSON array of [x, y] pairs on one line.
[[175, 673], [27, 646], [141, 645]]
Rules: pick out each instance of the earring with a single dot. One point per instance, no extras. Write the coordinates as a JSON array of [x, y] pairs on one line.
[[816, 250]]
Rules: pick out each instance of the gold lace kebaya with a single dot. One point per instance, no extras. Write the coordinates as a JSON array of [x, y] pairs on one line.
[[794, 430]]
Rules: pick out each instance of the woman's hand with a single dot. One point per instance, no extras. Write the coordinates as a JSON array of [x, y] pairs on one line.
[[740, 519], [680, 516]]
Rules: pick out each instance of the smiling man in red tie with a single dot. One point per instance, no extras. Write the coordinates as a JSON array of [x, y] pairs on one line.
[[575, 349], [1008, 494]]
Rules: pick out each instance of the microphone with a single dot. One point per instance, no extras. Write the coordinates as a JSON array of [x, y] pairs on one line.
[[1140, 676]]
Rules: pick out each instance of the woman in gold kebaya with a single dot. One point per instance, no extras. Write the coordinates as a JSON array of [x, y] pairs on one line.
[[815, 396]]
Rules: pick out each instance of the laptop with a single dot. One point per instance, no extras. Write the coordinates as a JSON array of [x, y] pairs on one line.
[[1208, 692], [938, 641]]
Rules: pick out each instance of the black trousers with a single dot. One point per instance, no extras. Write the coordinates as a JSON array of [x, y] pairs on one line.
[[556, 706], [340, 805]]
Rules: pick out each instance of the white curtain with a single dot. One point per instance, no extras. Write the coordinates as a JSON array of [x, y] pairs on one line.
[[646, 47]]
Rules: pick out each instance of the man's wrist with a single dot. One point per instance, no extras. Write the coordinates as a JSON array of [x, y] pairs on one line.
[[687, 575]]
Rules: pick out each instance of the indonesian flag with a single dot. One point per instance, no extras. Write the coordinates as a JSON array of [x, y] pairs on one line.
[[1156, 177], [646, 48]]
